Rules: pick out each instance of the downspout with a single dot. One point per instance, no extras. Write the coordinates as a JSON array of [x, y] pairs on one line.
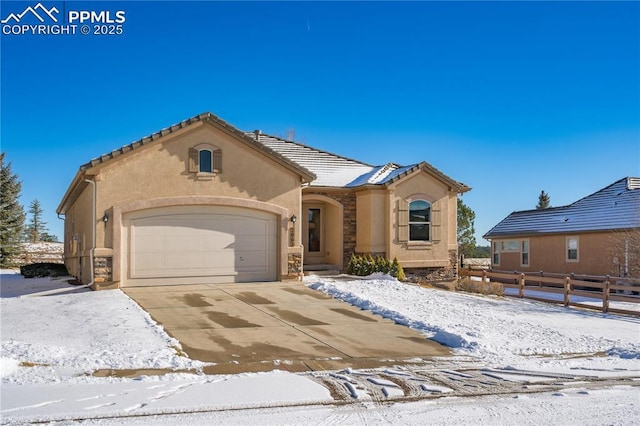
[[93, 239]]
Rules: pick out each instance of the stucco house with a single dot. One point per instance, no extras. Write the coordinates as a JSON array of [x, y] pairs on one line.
[[203, 202], [596, 235]]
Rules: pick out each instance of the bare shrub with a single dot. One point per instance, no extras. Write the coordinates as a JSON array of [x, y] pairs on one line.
[[472, 286]]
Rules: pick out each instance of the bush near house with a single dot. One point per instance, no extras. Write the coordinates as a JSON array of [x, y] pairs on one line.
[[37, 270], [363, 265]]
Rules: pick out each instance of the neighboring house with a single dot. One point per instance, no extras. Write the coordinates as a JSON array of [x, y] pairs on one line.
[[202, 202], [597, 235]]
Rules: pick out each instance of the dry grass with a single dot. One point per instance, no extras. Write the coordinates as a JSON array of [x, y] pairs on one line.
[[471, 286]]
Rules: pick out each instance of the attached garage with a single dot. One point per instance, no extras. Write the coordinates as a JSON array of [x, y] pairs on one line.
[[199, 244]]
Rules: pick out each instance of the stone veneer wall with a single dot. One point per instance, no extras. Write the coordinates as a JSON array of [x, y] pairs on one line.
[[435, 274], [103, 269], [294, 262], [348, 201]]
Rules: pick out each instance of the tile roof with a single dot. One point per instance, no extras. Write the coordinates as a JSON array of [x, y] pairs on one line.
[[204, 117], [615, 207], [336, 171]]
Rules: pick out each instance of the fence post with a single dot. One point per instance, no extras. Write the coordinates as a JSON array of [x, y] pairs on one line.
[[521, 286], [484, 278], [567, 290], [540, 282], [605, 295]]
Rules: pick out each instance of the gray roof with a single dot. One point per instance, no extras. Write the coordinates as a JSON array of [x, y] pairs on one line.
[[615, 207], [336, 171]]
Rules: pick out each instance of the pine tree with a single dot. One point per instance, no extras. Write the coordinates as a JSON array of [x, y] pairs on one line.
[[11, 215], [466, 230], [36, 230], [544, 202]]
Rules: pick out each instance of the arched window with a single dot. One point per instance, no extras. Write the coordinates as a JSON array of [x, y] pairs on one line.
[[419, 220], [205, 159]]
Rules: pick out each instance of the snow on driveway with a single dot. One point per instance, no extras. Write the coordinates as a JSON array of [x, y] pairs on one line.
[[50, 345]]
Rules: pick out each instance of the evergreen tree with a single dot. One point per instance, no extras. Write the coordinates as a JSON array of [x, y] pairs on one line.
[[466, 230], [544, 202], [36, 230], [11, 215]]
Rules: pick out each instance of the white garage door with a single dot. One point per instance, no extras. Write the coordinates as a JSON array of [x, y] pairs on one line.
[[201, 245]]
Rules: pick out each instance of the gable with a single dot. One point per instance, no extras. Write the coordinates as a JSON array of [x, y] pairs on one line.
[[164, 156]]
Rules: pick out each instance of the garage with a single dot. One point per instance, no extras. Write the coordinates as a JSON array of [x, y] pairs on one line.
[[200, 244]]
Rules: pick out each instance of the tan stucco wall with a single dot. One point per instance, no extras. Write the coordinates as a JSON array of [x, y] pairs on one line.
[[372, 219], [548, 253], [160, 170], [78, 235], [434, 253]]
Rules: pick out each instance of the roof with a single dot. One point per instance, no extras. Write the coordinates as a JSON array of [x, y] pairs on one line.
[[204, 117], [336, 171], [612, 208], [79, 181]]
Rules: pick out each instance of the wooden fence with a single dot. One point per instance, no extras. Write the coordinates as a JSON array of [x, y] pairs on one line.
[[604, 288]]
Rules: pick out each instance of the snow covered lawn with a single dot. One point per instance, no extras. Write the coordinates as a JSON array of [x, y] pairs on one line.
[[54, 335], [500, 332]]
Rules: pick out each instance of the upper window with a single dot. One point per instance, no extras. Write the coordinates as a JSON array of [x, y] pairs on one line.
[[572, 249], [205, 159], [419, 220]]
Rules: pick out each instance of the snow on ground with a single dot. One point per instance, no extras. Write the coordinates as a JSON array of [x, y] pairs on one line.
[[76, 331], [500, 332], [52, 334]]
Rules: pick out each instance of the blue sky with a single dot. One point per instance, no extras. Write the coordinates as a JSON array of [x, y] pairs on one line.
[[510, 98]]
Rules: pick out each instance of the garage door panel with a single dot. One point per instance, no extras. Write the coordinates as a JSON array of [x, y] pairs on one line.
[[227, 247]]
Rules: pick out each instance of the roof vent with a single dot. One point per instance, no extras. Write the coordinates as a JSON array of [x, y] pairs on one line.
[[633, 183], [257, 133]]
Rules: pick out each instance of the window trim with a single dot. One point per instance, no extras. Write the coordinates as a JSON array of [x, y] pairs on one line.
[[195, 163], [567, 249], [495, 251], [428, 222]]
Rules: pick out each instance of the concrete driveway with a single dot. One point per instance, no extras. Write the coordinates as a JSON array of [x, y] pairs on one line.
[[262, 326]]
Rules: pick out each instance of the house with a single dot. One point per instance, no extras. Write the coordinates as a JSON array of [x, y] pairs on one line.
[[203, 202], [596, 235]]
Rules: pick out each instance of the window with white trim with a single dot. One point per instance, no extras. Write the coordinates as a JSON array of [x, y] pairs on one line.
[[419, 220], [524, 253], [573, 245], [495, 259]]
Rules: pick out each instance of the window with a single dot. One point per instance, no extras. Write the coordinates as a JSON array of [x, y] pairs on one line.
[[496, 253], [205, 160], [572, 249], [524, 253], [419, 220], [510, 245]]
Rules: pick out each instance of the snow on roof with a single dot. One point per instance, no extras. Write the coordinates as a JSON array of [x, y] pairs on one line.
[[336, 171], [615, 207], [330, 169]]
